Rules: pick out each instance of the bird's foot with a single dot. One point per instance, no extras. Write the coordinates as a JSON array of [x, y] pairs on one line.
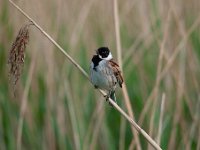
[[106, 97]]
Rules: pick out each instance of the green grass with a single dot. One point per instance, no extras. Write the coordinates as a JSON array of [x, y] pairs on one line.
[[63, 117]]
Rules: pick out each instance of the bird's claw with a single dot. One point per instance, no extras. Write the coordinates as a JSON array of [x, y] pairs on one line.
[[106, 97]]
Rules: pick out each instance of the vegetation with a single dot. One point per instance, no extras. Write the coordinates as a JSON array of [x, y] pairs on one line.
[[60, 108]]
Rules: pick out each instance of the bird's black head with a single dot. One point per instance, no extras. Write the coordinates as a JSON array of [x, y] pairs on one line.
[[104, 53]]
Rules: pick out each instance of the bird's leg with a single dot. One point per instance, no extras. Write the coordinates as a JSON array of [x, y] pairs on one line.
[[112, 96], [107, 96]]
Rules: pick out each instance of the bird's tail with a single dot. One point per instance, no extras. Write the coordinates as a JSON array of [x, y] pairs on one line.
[[112, 96]]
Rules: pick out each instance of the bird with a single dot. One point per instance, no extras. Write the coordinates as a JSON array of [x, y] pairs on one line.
[[105, 73]]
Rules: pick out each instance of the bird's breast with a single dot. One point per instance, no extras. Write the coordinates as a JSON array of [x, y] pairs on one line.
[[102, 77]]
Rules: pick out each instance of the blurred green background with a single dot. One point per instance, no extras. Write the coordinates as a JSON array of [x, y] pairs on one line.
[[161, 55]]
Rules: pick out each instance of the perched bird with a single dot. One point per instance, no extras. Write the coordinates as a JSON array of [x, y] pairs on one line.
[[105, 73]]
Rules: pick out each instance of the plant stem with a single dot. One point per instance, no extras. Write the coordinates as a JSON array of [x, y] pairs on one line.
[[137, 127]]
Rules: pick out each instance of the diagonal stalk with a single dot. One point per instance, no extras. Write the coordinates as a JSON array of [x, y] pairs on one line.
[[134, 124], [119, 57]]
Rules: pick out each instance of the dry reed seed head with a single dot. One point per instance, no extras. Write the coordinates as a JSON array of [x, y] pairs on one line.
[[17, 54]]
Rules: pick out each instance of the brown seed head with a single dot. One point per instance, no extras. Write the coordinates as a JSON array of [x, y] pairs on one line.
[[17, 54]]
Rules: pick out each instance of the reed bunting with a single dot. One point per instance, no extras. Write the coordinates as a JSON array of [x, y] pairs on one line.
[[105, 73]]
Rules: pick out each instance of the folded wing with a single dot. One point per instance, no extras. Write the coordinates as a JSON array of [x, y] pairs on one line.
[[116, 71]]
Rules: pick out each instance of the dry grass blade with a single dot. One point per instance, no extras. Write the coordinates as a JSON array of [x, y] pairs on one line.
[[117, 33], [24, 104], [161, 118], [122, 134], [195, 125], [17, 55], [165, 69], [96, 130], [73, 117], [159, 69], [133, 123], [99, 109], [119, 57]]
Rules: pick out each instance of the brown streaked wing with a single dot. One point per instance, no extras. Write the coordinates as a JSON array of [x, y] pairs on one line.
[[117, 72]]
